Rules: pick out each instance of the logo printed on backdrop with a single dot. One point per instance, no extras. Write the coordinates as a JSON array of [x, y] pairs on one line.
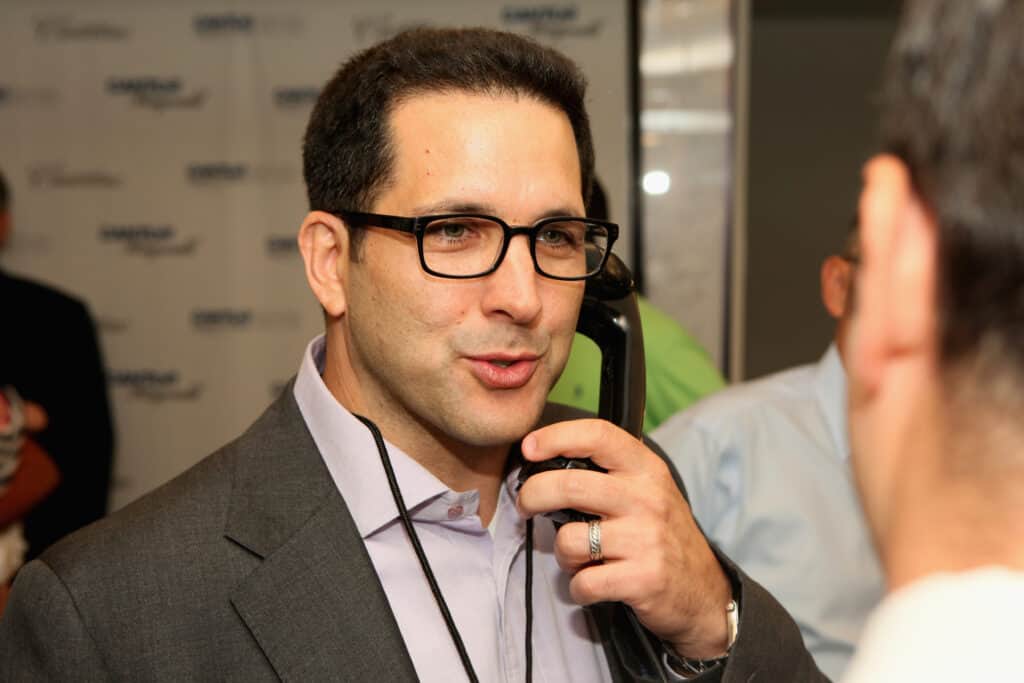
[[227, 319], [225, 173], [54, 175], [227, 24], [155, 386], [370, 29], [20, 96], [110, 324], [279, 246], [550, 21], [150, 241], [155, 92], [216, 172], [66, 28], [295, 97], [219, 319]]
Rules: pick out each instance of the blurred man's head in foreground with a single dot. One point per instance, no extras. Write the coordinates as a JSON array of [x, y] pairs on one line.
[[937, 347]]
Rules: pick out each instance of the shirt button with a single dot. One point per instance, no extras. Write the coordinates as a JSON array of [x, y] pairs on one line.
[[454, 512]]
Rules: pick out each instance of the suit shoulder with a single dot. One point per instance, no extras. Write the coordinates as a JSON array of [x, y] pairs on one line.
[[188, 508]]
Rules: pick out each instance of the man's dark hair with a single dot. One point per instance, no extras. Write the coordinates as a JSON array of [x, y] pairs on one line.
[[347, 154], [597, 205], [953, 110], [5, 194]]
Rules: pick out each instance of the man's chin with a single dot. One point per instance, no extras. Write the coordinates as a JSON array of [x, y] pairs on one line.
[[498, 427], [492, 434], [485, 418]]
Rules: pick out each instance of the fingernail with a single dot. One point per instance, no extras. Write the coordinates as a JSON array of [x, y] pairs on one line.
[[529, 445]]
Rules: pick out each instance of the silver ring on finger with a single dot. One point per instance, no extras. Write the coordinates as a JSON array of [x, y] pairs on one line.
[[594, 529]]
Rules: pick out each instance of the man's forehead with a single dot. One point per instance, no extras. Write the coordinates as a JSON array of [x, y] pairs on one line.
[[466, 104], [455, 94], [466, 151]]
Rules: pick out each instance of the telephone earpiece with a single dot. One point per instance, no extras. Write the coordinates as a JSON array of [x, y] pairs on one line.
[[610, 316]]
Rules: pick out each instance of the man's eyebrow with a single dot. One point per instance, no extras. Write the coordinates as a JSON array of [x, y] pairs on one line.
[[455, 206]]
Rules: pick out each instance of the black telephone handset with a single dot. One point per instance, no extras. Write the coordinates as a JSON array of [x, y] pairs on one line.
[[610, 316]]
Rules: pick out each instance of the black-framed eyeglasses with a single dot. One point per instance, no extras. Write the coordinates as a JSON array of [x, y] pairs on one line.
[[468, 245]]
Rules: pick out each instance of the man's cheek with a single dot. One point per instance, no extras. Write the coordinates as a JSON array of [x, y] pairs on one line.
[[435, 312]]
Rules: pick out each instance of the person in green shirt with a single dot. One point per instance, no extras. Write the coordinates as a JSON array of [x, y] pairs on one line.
[[679, 370]]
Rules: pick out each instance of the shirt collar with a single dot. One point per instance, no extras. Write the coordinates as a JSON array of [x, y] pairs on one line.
[[830, 388], [351, 456]]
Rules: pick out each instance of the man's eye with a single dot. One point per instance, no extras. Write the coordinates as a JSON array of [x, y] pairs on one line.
[[453, 229], [449, 230], [556, 237]]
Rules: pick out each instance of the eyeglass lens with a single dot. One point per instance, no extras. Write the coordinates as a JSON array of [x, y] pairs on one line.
[[468, 245]]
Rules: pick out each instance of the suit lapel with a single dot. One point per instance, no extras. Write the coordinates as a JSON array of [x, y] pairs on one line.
[[315, 604]]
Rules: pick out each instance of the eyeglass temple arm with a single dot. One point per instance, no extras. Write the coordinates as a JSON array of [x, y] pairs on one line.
[[359, 219]]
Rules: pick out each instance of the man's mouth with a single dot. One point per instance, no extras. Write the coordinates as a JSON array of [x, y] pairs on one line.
[[504, 371]]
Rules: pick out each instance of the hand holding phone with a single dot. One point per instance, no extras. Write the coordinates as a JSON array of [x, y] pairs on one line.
[[610, 316], [655, 559], [560, 517], [658, 569]]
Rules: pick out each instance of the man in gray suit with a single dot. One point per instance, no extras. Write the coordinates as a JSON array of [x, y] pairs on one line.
[[368, 525]]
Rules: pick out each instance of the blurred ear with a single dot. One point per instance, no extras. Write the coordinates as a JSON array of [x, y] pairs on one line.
[[836, 276], [896, 316], [324, 243]]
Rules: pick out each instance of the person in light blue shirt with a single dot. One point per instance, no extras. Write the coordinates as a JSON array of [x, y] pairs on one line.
[[767, 465]]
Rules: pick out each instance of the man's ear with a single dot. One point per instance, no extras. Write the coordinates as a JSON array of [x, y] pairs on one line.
[[896, 286], [324, 243], [836, 276]]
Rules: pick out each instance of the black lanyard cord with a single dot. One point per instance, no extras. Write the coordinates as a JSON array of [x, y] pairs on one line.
[[422, 556], [528, 589], [403, 513]]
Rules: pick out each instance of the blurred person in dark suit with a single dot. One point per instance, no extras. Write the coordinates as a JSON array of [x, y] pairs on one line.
[[49, 353]]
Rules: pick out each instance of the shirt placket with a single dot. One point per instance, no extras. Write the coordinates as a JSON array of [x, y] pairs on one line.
[[508, 555], [458, 512]]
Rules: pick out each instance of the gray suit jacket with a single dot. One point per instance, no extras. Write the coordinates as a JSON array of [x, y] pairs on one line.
[[249, 567]]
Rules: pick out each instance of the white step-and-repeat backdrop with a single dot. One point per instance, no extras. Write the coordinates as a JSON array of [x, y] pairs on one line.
[[153, 152]]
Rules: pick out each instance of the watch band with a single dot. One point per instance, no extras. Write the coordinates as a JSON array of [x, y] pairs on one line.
[[685, 666]]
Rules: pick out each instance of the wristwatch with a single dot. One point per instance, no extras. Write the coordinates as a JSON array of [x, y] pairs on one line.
[[685, 666]]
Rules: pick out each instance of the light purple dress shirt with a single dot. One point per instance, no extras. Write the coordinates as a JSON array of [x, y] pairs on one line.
[[481, 571]]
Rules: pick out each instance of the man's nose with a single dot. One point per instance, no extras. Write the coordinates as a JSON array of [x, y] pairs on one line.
[[512, 288]]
